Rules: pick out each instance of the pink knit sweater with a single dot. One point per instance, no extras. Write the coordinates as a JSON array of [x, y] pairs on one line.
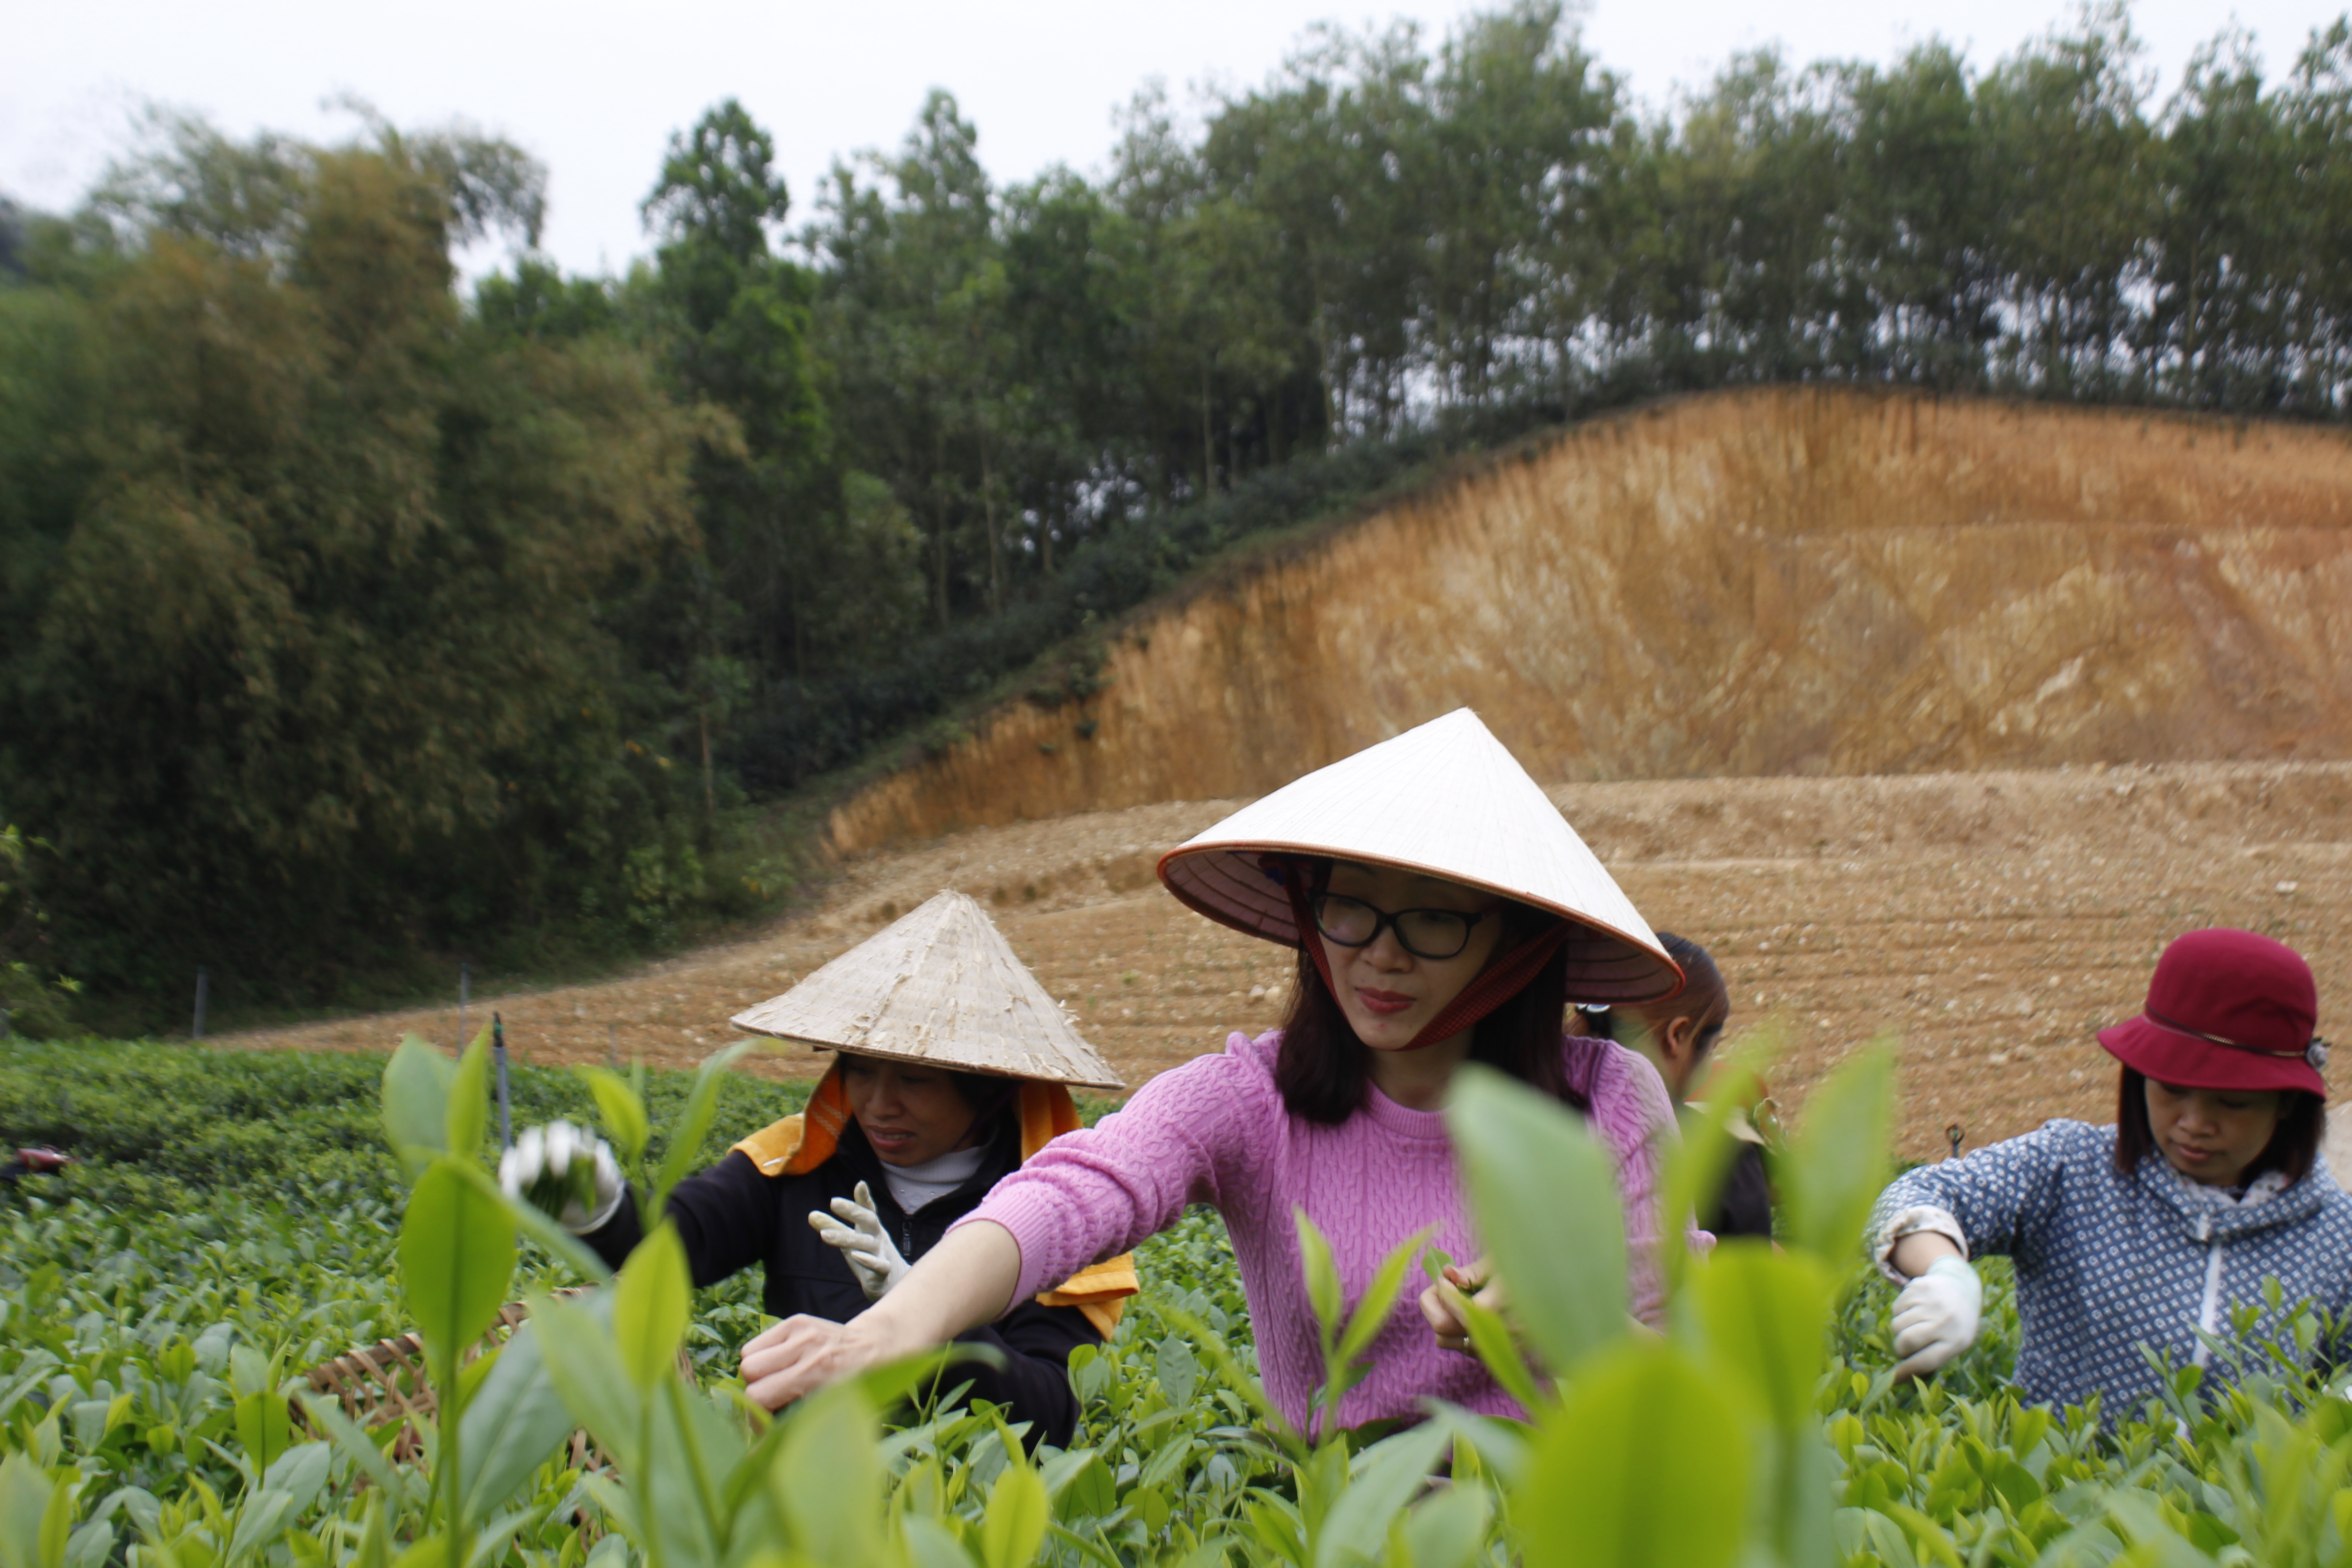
[[1214, 1130]]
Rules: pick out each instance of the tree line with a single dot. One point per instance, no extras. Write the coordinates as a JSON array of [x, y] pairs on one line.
[[350, 616]]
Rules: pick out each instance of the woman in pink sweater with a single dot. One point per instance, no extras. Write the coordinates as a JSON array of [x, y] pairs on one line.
[[1445, 912]]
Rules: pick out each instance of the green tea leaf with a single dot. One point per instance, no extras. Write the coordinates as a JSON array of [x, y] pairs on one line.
[[695, 1445], [693, 1123], [929, 1544], [1498, 1352], [1178, 1369], [576, 1342], [1485, 1446], [1596, 1493], [35, 1515], [260, 1517], [1231, 1374], [431, 1552], [512, 1424], [469, 1099], [1015, 1526], [1373, 1308], [1690, 1180], [263, 1427], [651, 1306], [417, 1104], [924, 1376], [375, 1545], [1837, 1165], [826, 1482], [300, 1472], [1449, 1530], [1545, 1192], [326, 1416], [623, 1112], [1392, 1474], [1323, 1292], [1766, 1317], [457, 1259], [1935, 1543]]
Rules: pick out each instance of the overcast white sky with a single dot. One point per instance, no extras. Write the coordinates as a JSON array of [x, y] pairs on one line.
[[595, 88]]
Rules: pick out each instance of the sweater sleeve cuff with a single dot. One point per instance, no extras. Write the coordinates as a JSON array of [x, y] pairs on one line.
[[1911, 1222], [1027, 1216]]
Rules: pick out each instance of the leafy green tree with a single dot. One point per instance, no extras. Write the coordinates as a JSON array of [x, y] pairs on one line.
[[303, 665], [2316, 105], [2223, 265], [36, 1000], [1521, 124], [738, 321], [1919, 222], [2068, 137], [1069, 270], [913, 316], [536, 301]]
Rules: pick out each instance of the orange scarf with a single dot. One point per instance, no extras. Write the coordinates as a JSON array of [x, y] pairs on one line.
[[799, 1144]]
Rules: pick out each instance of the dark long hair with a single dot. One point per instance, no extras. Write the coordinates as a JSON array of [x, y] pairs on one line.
[[1322, 1068], [1703, 997], [2303, 1122]]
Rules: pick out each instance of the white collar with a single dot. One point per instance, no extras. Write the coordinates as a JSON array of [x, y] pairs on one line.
[[953, 1169]]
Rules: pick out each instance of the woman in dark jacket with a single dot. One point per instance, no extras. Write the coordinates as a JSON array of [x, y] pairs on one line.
[[904, 1136], [1679, 1036]]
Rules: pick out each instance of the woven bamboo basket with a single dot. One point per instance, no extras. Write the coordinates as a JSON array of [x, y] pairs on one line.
[[387, 1381]]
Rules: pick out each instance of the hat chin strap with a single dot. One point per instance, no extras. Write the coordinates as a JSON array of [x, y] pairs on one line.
[[1494, 985]]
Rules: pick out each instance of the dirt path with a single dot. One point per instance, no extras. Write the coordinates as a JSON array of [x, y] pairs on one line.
[[1994, 920]]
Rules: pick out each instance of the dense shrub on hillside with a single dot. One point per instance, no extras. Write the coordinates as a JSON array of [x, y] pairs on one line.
[[811, 727]]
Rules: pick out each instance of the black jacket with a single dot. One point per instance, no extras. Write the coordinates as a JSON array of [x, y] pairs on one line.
[[1745, 1206], [730, 1215]]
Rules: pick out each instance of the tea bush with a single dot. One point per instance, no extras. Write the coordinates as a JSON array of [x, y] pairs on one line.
[[239, 1218]]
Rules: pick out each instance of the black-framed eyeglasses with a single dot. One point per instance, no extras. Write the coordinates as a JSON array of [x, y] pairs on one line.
[[1424, 933]]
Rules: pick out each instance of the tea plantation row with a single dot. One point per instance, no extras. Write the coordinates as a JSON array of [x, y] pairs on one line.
[[234, 1219]]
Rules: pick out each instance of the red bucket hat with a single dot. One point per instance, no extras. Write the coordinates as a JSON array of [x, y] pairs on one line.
[[2226, 1009]]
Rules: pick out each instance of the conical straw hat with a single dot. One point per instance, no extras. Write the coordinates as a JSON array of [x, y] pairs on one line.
[[939, 987], [1447, 800]]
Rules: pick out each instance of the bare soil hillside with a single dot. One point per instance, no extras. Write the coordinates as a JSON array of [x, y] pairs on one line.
[[1770, 582], [1993, 919]]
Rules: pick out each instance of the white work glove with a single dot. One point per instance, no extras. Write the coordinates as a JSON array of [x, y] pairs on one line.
[[856, 1230], [1935, 1317], [566, 1172]]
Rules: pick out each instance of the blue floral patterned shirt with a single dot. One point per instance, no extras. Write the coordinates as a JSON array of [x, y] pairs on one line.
[[2106, 1264]]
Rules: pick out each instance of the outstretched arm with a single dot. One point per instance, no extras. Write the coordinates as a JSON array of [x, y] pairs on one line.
[[1931, 1218], [966, 1280], [1086, 1195]]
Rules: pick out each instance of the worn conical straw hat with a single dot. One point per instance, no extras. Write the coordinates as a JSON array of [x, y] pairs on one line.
[[1447, 800], [941, 986]]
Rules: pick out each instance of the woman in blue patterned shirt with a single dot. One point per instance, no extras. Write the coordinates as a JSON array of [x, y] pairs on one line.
[[2151, 1234]]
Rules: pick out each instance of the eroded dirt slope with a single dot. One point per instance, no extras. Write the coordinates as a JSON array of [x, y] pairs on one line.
[[1756, 583], [1993, 919]]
